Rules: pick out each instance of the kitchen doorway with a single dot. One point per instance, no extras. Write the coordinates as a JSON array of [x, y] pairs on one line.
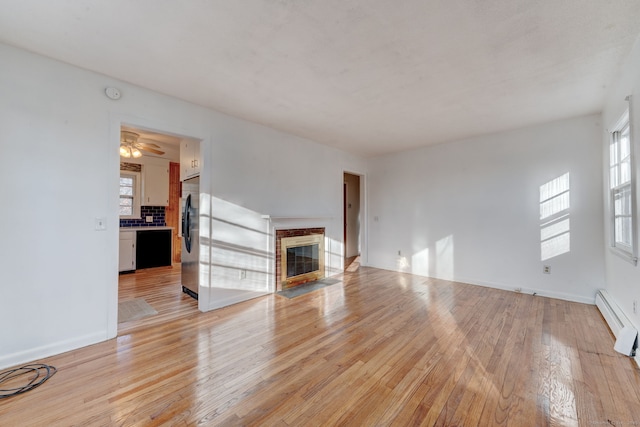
[[149, 254]]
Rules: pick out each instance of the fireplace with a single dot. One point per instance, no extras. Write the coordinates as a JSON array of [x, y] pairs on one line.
[[299, 256]]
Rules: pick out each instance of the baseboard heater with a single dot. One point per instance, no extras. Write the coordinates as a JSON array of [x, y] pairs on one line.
[[625, 333]]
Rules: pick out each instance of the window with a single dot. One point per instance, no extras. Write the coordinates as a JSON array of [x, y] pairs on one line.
[[129, 195], [621, 185]]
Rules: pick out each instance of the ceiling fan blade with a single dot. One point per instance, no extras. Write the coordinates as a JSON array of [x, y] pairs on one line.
[[152, 150], [145, 141]]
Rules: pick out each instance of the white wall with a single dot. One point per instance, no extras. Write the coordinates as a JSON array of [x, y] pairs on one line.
[[59, 164], [470, 210], [623, 278]]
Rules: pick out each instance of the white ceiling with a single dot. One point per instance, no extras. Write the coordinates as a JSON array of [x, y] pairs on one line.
[[367, 76]]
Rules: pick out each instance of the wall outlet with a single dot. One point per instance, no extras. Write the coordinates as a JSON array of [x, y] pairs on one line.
[[546, 269], [243, 274], [149, 218], [518, 290]]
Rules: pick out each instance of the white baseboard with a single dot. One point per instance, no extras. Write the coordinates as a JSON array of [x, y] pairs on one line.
[[507, 287], [219, 297], [39, 353], [531, 291]]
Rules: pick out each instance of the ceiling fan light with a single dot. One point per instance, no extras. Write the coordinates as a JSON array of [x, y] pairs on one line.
[[136, 153], [125, 151]]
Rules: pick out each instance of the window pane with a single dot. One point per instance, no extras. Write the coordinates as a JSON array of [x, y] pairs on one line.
[[622, 201], [623, 231], [625, 172], [128, 194], [623, 225]]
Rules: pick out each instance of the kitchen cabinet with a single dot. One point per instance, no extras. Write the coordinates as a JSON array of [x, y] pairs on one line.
[[127, 252], [189, 159], [156, 184]]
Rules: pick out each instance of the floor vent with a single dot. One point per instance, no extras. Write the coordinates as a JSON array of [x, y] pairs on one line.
[[626, 335]]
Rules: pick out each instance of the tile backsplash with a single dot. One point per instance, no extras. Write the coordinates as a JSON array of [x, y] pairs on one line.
[[157, 212]]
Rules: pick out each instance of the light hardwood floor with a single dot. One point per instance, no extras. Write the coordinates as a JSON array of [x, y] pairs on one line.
[[382, 348]]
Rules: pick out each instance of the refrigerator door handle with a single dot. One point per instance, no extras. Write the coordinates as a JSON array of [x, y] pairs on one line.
[[186, 224]]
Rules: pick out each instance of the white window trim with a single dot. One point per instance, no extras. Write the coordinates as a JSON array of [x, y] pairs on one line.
[[136, 194], [625, 252]]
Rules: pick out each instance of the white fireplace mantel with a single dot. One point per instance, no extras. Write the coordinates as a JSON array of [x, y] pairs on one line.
[[276, 218]]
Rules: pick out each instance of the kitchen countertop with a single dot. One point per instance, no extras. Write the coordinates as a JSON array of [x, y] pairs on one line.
[[144, 228]]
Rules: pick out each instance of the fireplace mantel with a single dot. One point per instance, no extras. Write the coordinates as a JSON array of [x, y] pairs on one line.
[[276, 218]]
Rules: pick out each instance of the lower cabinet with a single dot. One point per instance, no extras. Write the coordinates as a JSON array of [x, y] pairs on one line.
[[127, 253], [153, 248]]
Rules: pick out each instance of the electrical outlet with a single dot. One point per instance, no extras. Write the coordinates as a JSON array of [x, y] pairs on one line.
[[243, 274], [149, 218], [518, 290], [546, 269]]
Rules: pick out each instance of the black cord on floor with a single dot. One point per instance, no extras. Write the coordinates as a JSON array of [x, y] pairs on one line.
[[40, 372]]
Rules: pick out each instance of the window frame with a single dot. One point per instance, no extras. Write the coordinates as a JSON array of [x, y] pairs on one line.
[[616, 188], [137, 176]]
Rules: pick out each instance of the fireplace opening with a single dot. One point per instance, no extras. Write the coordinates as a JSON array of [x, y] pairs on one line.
[[302, 259], [299, 256]]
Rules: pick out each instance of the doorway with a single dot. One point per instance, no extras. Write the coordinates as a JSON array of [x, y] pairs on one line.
[[149, 228], [352, 221]]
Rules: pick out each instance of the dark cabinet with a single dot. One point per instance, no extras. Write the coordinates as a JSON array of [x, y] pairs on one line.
[[153, 248]]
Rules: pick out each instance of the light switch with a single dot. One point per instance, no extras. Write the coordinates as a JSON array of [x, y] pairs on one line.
[[101, 223], [149, 218]]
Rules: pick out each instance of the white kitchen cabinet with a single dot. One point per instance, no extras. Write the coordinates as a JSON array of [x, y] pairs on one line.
[[127, 253], [156, 184], [189, 159]]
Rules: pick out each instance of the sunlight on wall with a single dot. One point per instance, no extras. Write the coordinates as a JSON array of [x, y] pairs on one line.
[[420, 263], [204, 255], [333, 256], [444, 258], [402, 264], [237, 243], [555, 230]]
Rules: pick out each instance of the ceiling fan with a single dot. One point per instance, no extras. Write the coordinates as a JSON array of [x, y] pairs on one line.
[[131, 146]]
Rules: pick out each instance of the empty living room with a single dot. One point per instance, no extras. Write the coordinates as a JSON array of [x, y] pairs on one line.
[[295, 213]]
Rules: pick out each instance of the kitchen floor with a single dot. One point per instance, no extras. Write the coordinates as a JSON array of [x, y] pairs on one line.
[[160, 287]]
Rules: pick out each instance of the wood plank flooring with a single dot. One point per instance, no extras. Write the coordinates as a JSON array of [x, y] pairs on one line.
[[382, 348]]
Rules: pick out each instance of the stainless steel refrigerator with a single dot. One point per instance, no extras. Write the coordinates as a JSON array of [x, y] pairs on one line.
[[190, 240]]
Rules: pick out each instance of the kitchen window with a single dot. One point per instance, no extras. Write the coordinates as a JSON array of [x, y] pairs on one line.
[[622, 191], [129, 195]]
